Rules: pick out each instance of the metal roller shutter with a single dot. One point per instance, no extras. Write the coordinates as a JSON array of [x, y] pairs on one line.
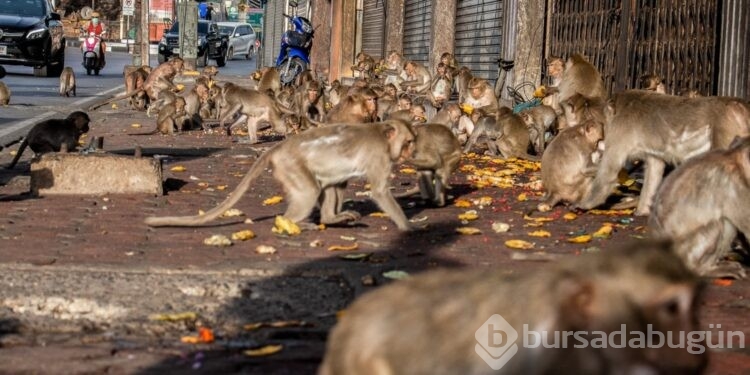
[[479, 27], [417, 23], [373, 28]]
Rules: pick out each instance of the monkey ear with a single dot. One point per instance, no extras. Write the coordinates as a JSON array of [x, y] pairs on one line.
[[576, 296]]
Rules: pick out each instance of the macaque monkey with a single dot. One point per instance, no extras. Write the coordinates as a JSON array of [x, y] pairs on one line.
[[506, 135], [134, 79], [195, 107], [413, 115], [451, 66], [539, 120], [4, 94], [417, 79], [662, 129], [578, 109], [447, 116], [210, 71], [334, 93], [268, 79], [691, 93], [315, 166], [555, 69], [309, 102], [253, 107], [159, 79], [441, 322], [481, 97], [436, 156], [441, 86], [394, 71], [171, 115], [163, 97], [285, 96], [569, 164], [365, 66], [358, 108], [463, 76], [54, 135], [581, 77], [652, 82], [702, 205], [67, 82]]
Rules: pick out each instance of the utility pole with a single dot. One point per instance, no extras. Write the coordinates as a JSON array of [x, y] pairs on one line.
[[145, 27], [187, 16]]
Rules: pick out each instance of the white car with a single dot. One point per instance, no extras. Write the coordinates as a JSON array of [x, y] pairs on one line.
[[241, 39]]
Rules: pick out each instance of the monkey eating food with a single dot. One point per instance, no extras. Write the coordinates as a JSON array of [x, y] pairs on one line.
[[54, 135]]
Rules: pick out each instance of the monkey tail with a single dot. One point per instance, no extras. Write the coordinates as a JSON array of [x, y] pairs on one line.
[[231, 200], [121, 97], [21, 148]]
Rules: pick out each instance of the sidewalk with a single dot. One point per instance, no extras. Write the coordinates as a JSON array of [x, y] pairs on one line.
[[82, 275]]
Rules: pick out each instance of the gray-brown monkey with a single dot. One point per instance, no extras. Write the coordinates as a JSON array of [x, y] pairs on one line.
[[358, 108], [171, 115], [702, 205], [4, 94], [134, 79], [449, 322], [253, 107], [268, 80], [652, 82], [158, 80], [581, 77], [436, 156], [506, 135], [316, 164], [67, 82], [54, 135], [567, 165], [448, 116], [539, 121], [662, 129]]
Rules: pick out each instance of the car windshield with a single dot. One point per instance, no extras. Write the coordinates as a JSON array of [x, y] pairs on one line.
[[226, 29], [23, 8], [202, 27]]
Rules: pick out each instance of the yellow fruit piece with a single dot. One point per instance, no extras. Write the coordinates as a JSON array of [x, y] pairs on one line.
[[135, 125], [343, 248], [467, 108], [264, 351], [190, 339], [604, 232], [283, 225], [379, 214], [580, 239], [483, 201], [114, 106], [243, 235], [190, 73], [570, 216], [540, 233], [463, 203], [273, 200], [468, 230], [178, 168], [537, 219], [519, 244], [408, 170], [628, 182], [468, 215], [174, 317], [522, 197], [540, 92], [232, 212], [221, 187], [217, 240], [179, 86]]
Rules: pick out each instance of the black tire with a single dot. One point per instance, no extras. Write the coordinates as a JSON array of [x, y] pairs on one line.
[[57, 66], [96, 72], [230, 53], [88, 71], [250, 52], [296, 66], [221, 61], [202, 61], [161, 58]]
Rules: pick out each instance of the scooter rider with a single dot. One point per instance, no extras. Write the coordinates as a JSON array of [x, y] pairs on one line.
[[96, 27]]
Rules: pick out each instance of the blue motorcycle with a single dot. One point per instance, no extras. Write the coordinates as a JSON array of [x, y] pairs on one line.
[[295, 49]]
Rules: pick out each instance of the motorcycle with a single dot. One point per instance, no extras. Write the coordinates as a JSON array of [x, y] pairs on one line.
[[295, 49], [92, 59]]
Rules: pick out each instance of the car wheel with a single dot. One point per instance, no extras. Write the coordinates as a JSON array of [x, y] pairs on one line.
[[289, 69], [250, 53], [161, 58], [230, 53], [221, 61], [202, 61]]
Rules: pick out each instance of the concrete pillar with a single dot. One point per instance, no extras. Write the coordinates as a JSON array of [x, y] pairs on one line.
[[394, 26], [320, 56], [443, 33], [343, 21], [529, 44]]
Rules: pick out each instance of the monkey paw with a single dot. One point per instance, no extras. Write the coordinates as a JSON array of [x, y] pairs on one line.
[[342, 217]]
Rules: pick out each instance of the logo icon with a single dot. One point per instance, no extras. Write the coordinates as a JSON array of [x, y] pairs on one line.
[[496, 342]]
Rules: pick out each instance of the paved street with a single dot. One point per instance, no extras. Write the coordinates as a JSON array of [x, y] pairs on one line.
[[83, 278]]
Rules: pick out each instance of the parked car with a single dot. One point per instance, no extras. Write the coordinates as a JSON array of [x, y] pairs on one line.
[[31, 34], [242, 39], [211, 44]]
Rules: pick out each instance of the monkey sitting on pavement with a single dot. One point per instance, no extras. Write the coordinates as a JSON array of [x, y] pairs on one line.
[[54, 135]]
